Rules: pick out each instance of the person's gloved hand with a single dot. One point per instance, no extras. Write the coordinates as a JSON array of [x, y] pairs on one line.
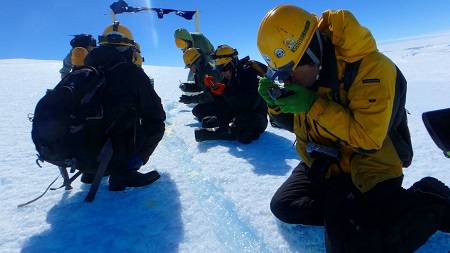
[[263, 88], [185, 99], [208, 80], [182, 86], [210, 122], [134, 163], [319, 168], [300, 101], [188, 86], [218, 88], [215, 87]]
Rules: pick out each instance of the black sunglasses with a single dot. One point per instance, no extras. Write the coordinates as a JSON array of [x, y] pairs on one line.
[[225, 68]]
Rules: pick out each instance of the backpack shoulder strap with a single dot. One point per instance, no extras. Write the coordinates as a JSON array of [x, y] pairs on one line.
[[334, 82], [261, 68], [351, 70], [104, 157]]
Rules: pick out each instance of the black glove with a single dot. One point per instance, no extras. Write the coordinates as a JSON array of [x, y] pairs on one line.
[[182, 86], [210, 122], [319, 168], [185, 99], [189, 87]]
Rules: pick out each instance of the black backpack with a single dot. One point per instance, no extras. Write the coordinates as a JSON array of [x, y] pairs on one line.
[[63, 117], [68, 129]]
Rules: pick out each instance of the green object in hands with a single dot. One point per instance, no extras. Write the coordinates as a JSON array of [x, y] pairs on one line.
[[300, 101], [263, 88]]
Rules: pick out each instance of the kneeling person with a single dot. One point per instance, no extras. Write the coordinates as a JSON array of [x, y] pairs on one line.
[[131, 105]]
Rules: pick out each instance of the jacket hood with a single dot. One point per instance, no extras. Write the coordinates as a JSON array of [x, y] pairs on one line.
[[103, 56], [351, 40], [183, 34]]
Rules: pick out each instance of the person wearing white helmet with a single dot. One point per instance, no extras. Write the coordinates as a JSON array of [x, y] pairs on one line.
[[344, 100]]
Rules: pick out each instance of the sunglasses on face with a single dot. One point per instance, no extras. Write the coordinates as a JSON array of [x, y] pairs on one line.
[[281, 73], [196, 64], [225, 68]]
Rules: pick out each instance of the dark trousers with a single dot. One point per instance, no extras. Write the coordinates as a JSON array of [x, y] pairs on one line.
[[387, 218], [240, 122], [249, 122], [208, 109], [296, 202]]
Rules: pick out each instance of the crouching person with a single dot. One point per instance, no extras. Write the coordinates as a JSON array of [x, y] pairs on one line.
[[131, 106], [207, 103], [350, 177], [245, 117]]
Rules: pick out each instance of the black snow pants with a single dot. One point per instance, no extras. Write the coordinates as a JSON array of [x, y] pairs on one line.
[[387, 218]]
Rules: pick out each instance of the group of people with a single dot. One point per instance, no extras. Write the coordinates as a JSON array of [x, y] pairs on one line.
[[228, 104], [356, 193]]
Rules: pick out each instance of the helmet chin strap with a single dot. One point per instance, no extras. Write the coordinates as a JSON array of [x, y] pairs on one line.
[[311, 54]]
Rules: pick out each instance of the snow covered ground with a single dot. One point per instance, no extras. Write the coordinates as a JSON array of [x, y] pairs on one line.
[[212, 197]]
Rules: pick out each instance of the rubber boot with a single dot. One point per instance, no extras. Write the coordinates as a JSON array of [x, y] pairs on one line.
[[218, 133]]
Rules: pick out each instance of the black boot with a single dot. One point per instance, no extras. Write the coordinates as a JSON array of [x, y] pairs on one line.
[[219, 133], [123, 178], [87, 178], [246, 138], [437, 192]]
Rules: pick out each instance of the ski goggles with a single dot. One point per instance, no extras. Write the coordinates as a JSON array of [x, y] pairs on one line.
[[281, 73], [115, 39]]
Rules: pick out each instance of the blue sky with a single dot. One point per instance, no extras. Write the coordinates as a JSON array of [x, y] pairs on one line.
[[41, 29]]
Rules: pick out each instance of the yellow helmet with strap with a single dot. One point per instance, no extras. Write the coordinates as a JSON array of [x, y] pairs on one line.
[[284, 35], [223, 55], [190, 56], [116, 34]]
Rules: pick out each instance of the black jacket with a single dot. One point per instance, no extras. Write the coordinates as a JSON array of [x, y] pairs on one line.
[[130, 104], [206, 96], [241, 92]]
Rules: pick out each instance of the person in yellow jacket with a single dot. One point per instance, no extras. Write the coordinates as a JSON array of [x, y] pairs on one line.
[[352, 136]]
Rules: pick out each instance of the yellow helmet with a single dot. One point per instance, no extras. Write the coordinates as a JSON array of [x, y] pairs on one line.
[[181, 44], [283, 38], [78, 55], [223, 55], [190, 56], [116, 34], [138, 59], [182, 37]]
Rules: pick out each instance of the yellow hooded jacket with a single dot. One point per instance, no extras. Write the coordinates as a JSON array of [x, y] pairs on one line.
[[361, 125]]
